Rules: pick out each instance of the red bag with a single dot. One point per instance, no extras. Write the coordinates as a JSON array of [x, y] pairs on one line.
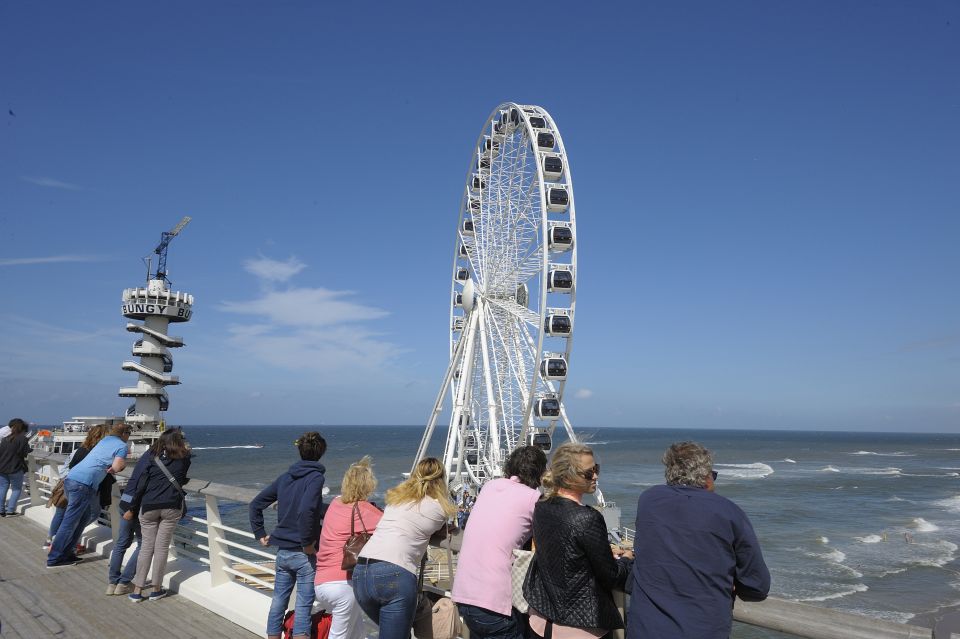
[[319, 625]]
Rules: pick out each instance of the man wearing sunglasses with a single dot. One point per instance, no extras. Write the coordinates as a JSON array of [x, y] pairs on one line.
[[695, 551]]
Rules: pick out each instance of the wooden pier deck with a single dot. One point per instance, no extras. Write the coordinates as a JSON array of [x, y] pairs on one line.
[[69, 602]]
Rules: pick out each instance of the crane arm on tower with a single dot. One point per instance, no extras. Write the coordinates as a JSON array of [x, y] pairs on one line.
[[161, 249]]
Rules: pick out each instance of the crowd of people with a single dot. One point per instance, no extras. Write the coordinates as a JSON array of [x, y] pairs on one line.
[[694, 551]]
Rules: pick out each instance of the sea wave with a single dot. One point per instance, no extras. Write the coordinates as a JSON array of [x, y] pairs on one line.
[[829, 469], [946, 553], [896, 454], [922, 525], [869, 539], [886, 615], [824, 540], [855, 588], [744, 471], [224, 447], [789, 461], [890, 470], [950, 503]]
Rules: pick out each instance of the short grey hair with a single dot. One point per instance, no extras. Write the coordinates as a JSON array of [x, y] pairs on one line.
[[688, 464]]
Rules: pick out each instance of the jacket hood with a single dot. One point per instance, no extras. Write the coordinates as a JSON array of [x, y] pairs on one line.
[[303, 468]]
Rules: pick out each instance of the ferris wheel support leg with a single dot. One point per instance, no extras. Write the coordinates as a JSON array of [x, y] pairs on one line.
[[494, 429], [456, 417], [437, 406]]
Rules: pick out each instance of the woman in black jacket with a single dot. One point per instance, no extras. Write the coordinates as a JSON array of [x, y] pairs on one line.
[[13, 464], [573, 571], [160, 503]]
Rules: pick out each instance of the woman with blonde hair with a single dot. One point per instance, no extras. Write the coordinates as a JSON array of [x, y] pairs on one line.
[[573, 572], [349, 512], [385, 578]]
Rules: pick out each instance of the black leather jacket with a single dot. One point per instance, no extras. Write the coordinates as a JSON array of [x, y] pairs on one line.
[[573, 571]]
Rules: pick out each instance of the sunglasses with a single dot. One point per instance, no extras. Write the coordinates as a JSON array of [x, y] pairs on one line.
[[590, 473], [714, 474]]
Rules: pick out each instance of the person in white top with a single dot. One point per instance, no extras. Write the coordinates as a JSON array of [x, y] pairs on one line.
[[385, 578]]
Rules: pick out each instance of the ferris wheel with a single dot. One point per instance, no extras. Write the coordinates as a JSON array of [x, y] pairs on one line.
[[512, 298]]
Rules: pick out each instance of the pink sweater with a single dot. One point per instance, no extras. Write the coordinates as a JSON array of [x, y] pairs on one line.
[[335, 532], [500, 521]]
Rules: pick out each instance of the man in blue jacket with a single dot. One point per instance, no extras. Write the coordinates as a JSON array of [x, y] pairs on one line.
[[298, 494], [695, 551]]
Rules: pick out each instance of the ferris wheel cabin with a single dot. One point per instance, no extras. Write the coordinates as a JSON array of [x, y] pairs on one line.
[[560, 281], [467, 228], [557, 199], [552, 167], [553, 368], [463, 275], [561, 239], [547, 408], [546, 141], [557, 325], [541, 440]]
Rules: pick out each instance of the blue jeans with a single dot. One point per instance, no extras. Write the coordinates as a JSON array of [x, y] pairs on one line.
[[57, 520], [15, 482], [487, 624], [74, 521], [128, 530], [388, 594], [293, 569]]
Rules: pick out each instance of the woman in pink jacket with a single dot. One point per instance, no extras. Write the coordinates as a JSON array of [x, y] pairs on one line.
[[333, 587]]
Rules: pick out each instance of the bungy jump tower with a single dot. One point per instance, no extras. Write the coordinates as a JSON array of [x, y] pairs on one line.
[[156, 306]]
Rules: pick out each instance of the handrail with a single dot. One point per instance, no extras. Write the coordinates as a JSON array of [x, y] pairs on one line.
[[797, 619]]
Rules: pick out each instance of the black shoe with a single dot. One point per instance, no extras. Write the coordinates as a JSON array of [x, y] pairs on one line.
[[65, 562], [3, 514]]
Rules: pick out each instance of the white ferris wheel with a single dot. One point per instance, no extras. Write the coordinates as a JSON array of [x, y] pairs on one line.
[[512, 298]]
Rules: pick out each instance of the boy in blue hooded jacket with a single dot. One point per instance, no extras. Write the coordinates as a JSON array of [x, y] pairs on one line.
[[298, 494]]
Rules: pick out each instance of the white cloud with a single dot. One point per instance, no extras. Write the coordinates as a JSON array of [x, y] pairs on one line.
[[583, 393], [51, 259], [313, 330], [274, 270], [51, 183], [306, 307]]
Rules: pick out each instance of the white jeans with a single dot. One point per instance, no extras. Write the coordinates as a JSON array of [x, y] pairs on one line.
[[336, 597]]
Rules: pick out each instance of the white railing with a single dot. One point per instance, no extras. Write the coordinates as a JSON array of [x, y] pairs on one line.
[[232, 554]]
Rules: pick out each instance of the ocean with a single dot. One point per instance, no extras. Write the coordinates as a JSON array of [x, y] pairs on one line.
[[866, 523]]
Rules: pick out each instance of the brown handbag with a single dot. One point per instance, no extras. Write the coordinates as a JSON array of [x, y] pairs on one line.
[[356, 541], [58, 498]]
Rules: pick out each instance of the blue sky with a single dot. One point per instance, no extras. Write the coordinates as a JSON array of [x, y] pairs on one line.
[[767, 199]]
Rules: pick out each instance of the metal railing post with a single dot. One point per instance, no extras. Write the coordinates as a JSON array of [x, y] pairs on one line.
[[115, 513], [215, 538], [36, 499]]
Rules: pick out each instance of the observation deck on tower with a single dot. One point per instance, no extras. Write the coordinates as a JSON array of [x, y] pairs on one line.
[[156, 306]]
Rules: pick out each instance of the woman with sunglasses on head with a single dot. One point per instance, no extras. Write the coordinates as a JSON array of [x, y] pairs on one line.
[[573, 571]]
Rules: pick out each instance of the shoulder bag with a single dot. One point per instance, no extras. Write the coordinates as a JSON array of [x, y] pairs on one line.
[[58, 497], [518, 573], [356, 541], [438, 619], [176, 484]]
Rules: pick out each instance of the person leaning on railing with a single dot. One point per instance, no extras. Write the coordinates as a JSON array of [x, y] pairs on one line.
[[385, 578], [571, 578], [160, 501], [695, 551], [500, 521], [119, 583], [298, 494], [108, 456], [349, 512]]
